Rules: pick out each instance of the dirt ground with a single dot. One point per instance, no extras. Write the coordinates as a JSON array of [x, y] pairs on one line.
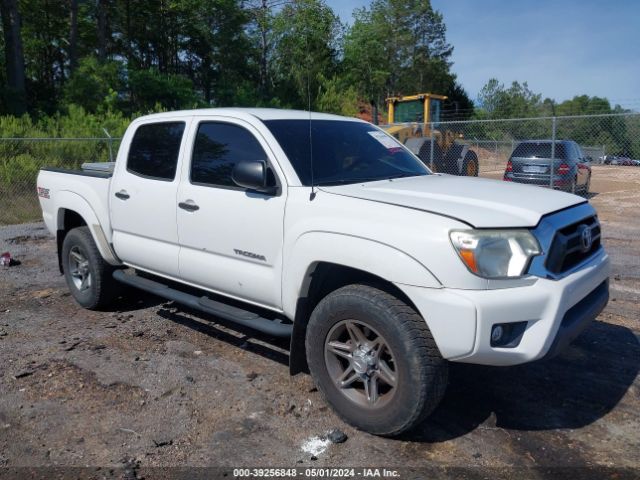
[[152, 384]]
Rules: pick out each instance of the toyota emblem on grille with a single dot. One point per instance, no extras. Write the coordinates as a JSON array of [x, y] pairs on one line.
[[587, 239]]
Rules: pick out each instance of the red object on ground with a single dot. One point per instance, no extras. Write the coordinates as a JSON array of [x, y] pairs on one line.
[[5, 259]]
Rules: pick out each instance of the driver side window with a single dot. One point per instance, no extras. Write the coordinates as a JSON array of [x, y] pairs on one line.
[[217, 149]]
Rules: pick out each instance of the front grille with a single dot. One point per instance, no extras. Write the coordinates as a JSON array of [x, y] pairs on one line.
[[569, 246]]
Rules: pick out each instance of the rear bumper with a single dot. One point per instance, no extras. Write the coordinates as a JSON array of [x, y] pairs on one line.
[[555, 312], [543, 180]]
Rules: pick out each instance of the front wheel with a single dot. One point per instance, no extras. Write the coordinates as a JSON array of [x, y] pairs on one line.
[[88, 276], [374, 360]]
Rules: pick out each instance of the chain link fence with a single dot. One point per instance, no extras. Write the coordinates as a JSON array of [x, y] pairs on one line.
[[22, 158], [545, 151], [548, 151]]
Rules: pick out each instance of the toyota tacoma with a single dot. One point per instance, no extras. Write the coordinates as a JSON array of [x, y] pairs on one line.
[[328, 231]]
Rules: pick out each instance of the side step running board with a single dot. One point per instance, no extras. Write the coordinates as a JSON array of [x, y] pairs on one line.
[[205, 304]]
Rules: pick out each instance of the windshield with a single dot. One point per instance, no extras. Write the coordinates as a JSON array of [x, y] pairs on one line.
[[411, 111], [343, 152], [538, 150]]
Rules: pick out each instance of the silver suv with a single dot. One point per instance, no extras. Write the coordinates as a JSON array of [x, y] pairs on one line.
[[531, 163]]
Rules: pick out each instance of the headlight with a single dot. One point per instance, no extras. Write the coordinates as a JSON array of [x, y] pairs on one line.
[[495, 253]]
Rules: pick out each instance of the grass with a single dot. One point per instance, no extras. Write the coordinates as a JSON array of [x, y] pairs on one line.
[[19, 206]]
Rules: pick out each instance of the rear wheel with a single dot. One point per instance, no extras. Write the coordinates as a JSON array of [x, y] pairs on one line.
[[573, 186], [88, 276], [470, 165], [374, 360], [587, 187]]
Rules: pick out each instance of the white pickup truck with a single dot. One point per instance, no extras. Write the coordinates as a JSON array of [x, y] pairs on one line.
[[327, 230]]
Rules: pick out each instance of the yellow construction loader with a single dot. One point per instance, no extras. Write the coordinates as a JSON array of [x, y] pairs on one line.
[[414, 121]]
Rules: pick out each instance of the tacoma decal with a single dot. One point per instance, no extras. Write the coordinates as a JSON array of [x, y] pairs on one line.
[[255, 256]]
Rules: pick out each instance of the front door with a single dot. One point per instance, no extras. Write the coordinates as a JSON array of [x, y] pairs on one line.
[[230, 238], [143, 198]]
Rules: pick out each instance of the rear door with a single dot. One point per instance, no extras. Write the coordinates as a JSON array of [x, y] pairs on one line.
[[231, 238], [143, 197]]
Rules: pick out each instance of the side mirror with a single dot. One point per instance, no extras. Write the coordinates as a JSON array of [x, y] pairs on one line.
[[253, 176]]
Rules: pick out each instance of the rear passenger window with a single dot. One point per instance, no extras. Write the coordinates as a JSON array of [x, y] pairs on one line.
[[154, 150], [217, 149]]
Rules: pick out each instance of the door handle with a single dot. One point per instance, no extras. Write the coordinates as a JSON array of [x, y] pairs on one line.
[[122, 195], [189, 207]]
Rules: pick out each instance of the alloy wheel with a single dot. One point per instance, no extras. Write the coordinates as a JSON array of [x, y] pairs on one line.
[[361, 364], [79, 269]]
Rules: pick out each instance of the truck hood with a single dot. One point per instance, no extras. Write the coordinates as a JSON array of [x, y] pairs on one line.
[[480, 202]]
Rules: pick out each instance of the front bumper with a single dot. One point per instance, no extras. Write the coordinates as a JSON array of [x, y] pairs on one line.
[[579, 317], [556, 311]]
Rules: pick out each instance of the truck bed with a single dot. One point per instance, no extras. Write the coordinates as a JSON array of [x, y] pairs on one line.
[[74, 189]]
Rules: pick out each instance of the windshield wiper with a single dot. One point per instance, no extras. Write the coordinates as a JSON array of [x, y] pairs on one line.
[[345, 181], [402, 175]]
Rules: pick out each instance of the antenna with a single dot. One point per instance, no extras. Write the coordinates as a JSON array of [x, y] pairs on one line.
[[313, 190]]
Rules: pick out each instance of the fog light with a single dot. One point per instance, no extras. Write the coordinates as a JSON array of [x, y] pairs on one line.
[[507, 335], [496, 333]]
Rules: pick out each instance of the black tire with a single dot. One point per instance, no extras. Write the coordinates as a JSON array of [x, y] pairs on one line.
[[420, 372], [425, 155], [100, 289], [587, 187], [470, 166]]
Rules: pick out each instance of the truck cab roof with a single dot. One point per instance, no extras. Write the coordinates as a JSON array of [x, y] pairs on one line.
[[260, 113]]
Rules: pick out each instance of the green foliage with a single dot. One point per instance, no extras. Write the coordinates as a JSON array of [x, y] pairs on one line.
[[45, 33], [366, 66], [584, 105], [517, 101], [399, 48], [617, 134], [170, 54], [166, 54], [337, 97], [306, 34], [94, 85], [21, 159], [38, 144], [150, 88], [161, 55], [212, 38], [458, 105]]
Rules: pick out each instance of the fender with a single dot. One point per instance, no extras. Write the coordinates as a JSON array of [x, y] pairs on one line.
[[74, 202], [382, 260]]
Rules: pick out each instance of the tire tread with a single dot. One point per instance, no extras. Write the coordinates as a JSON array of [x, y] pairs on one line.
[[106, 288], [418, 339]]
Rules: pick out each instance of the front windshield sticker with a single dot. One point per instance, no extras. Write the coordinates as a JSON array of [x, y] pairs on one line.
[[387, 142]]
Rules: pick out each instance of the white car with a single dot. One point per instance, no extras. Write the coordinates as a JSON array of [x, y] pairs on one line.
[[327, 230]]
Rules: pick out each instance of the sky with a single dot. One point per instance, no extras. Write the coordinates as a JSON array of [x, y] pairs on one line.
[[560, 48]]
